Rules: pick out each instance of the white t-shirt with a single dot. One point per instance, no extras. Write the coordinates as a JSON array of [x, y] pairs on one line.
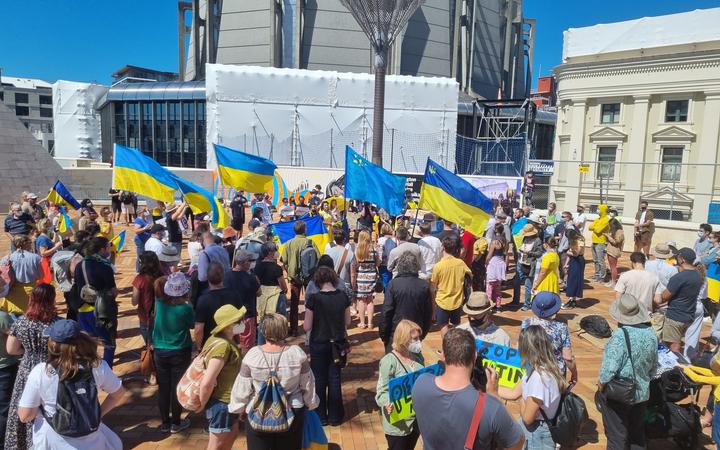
[[194, 249], [154, 245], [641, 284], [544, 388], [432, 250], [41, 390], [580, 220], [662, 270]]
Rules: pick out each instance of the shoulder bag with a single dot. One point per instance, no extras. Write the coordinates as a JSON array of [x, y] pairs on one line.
[[475, 422], [621, 389]]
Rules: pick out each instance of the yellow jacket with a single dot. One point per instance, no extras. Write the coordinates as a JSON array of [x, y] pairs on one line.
[[704, 376], [600, 225]]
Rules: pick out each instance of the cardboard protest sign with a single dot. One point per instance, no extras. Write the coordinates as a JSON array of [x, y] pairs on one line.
[[400, 392], [504, 359]]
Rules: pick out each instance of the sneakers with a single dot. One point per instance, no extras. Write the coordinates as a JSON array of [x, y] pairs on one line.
[[570, 304], [185, 423], [165, 428], [525, 308], [609, 284]]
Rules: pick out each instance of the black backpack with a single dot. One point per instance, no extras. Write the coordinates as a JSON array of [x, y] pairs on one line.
[[571, 414], [596, 326], [77, 409]]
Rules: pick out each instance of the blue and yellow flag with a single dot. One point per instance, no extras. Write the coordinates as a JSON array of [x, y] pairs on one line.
[[244, 171], [313, 435], [517, 229], [118, 242], [60, 195], [454, 199], [713, 279], [371, 183], [280, 190], [315, 231], [202, 201], [135, 172], [64, 223]]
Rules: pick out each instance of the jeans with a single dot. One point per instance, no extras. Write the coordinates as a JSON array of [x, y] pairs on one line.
[[624, 424], [692, 334], [295, 289], [288, 440], [385, 276], [139, 248], [522, 278], [404, 442], [7, 381], [170, 366], [598, 254], [537, 436], [88, 324], [328, 383]]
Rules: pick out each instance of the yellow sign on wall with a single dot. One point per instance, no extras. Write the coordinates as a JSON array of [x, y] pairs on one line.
[[584, 168]]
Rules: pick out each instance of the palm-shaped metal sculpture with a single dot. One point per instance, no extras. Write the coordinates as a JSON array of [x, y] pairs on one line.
[[381, 20]]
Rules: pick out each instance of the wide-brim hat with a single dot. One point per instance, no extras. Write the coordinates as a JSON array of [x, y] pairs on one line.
[[662, 251], [528, 230], [228, 232], [176, 285], [546, 304], [628, 311], [169, 254], [225, 316], [478, 303]]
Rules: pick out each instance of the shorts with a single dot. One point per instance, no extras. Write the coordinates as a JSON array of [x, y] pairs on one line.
[[673, 331], [644, 238], [443, 316], [116, 205], [130, 209], [220, 420]]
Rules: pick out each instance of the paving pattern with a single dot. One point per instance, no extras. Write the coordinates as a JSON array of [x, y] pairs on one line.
[[137, 420]]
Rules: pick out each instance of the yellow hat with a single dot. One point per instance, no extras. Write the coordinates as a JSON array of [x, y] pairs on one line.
[[225, 316]]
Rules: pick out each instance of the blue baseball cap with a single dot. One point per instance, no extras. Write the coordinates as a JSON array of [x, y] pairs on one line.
[[546, 304], [62, 330]]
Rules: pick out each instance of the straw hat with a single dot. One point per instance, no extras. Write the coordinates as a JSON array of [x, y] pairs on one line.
[[225, 316], [628, 311], [528, 231], [478, 303]]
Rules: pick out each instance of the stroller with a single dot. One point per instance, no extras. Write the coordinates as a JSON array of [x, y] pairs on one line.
[[666, 417]]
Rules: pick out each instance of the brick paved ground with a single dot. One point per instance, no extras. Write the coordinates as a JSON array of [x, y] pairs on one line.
[[136, 421]]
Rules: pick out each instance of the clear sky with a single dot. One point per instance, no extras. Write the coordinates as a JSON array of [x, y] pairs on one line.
[[87, 40]]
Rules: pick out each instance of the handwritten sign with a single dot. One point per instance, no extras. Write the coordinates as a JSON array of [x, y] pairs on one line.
[[400, 392], [504, 359]]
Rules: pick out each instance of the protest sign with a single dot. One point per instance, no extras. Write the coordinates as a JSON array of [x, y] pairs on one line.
[[504, 359], [400, 392]]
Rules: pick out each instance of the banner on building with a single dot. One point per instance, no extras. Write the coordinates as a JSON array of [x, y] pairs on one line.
[[541, 167]]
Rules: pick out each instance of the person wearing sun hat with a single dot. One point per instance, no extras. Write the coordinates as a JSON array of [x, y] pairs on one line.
[[169, 258], [480, 322], [222, 361], [529, 250], [624, 425], [545, 305]]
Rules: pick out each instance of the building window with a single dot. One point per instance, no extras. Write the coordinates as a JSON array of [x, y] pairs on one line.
[[46, 112], [173, 134], [610, 113], [21, 98], [22, 111], [200, 136], [51, 147], [606, 162], [676, 111], [120, 137], [46, 127], [2, 96], [46, 99], [160, 135], [671, 164], [133, 125], [146, 129]]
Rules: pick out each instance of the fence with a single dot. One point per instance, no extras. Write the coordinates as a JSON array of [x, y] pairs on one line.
[[673, 190]]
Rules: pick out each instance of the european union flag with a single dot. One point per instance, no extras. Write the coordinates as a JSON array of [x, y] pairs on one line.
[[367, 182]]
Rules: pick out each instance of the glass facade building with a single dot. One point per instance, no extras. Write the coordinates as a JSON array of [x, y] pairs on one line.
[[164, 120]]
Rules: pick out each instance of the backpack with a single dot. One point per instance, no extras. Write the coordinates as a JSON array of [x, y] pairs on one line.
[[62, 276], [596, 326], [308, 262], [7, 273], [270, 411], [188, 388], [77, 409], [569, 418]]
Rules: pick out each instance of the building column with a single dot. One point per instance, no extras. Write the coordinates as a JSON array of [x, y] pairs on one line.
[[707, 153], [575, 153], [634, 173]]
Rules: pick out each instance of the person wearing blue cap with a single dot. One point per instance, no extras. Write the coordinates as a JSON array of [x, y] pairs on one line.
[[71, 355], [545, 305]]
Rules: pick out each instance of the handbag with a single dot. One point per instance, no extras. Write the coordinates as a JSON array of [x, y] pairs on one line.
[[147, 362], [622, 390], [88, 293], [340, 350], [188, 388]]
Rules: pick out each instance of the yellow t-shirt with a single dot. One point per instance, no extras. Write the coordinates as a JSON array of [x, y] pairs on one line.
[[449, 275], [551, 262], [230, 354]]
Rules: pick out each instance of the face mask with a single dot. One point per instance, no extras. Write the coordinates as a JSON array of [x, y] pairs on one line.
[[415, 347], [238, 328], [643, 208], [478, 323], [701, 234]]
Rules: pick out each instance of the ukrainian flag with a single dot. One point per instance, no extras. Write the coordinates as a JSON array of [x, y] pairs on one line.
[[517, 229], [313, 436], [279, 190], [315, 231], [64, 223], [201, 201], [242, 170], [137, 173], [118, 242], [60, 195], [713, 279], [454, 199]]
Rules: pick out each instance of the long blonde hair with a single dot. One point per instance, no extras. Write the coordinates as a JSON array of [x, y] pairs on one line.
[[536, 351], [362, 250]]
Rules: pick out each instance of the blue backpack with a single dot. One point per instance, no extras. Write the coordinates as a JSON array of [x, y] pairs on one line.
[[271, 411]]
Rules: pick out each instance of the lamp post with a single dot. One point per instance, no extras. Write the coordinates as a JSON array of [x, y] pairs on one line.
[[381, 21]]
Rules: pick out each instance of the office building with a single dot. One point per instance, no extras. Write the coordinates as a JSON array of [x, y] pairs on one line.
[[32, 102]]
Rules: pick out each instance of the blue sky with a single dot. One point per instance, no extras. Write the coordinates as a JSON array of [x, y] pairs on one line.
[[84, 40]]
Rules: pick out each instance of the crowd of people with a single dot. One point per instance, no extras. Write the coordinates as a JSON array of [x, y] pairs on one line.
[[231, 309]]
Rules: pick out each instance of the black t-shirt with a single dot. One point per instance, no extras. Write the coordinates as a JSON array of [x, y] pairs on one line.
[[115, 198], [268, 272], [237, 207], [100, 275], [244, 286], [209, 302], [685, 287], [328, 316], [173, 229]]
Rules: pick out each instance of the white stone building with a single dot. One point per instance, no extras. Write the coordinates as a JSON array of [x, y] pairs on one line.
[[640, 101]]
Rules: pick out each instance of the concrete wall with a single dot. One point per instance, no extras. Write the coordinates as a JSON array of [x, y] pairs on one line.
[[428, 41], [246, 33]]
